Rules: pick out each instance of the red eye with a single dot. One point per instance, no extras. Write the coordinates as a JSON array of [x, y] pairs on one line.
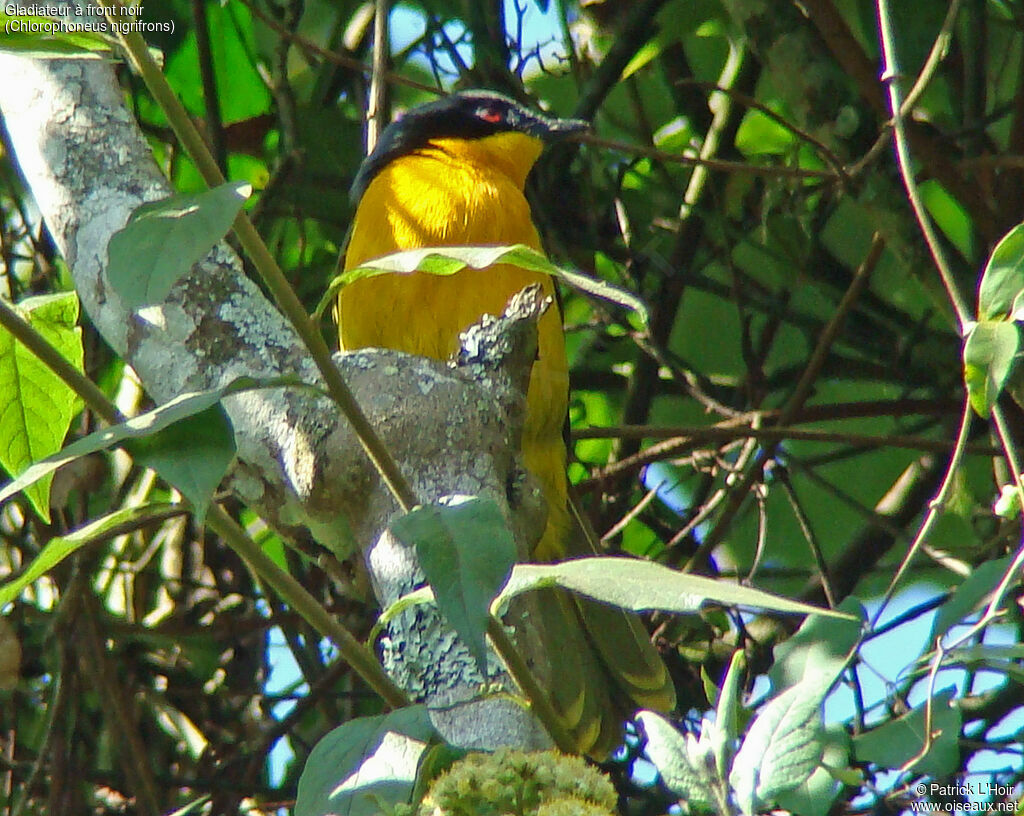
[[492, 115]]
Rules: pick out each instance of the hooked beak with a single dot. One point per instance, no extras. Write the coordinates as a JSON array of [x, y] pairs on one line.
[[553, 130]]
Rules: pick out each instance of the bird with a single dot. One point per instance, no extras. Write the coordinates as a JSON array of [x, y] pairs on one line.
[[453, 172]]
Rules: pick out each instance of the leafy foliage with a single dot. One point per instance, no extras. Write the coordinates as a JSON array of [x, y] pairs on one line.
[[38, 412], [140, 269], [773, 411]]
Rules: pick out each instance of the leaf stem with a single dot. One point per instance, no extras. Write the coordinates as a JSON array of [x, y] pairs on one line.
[[525, 679], [25, 334], [269, 270], [357, 655]]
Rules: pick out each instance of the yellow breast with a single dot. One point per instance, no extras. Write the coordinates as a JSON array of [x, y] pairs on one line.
[[457, 192]]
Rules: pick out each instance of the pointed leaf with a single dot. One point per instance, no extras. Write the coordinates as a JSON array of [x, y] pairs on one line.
[[38, 407], [632, 583], [821, 645], [989, 355], [1003, 279], [46, 38], [57, 549], [192, 454], [971, 592], [895, 742], [727, 712], [667, 749], [146, 424], [141, 269], [466, 552], [365, 763], [814, 797], [781, 749], [451, 259]]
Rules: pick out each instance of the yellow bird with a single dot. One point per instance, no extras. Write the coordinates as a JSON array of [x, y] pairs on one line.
[[452, 172]]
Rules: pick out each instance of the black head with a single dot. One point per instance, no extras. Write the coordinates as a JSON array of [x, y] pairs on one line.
[[463, 115]]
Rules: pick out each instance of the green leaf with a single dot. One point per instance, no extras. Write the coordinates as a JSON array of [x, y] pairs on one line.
[[38, 407], [950, 216], [193, 807], [1008, 505], [141, 269], [727, 720], [814, 797], [147, 424], [678, 760], [782, 747], [451, 259], [760, 135], [437, 759], [49, 38], [364, 764], [57, 549], [822, 645], [632, 583], [895, 742], [974, 589], [192, 454], [989, 354], [466, 552], [1003, 279]]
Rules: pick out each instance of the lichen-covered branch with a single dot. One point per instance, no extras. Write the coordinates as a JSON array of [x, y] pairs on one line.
[[299, 464]]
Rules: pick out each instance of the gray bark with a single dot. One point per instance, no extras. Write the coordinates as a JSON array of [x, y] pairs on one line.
[[298, 463]]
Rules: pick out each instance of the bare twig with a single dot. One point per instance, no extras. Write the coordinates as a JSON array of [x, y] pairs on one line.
[[796, 399], [377, 109], [273, 277], [935, 507]]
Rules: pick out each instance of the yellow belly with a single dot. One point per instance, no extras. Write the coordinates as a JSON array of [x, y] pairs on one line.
[[406, 207]]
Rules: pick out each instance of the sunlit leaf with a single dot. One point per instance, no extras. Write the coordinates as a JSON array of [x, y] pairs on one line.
[[989, 355], [57, 549], [364, 763], [632, 583], [676, 759], [142, 269], [821, 645], [466, 552], [38, 37], [147, 424], [38, 406], [782, 747], [1003, 279], [449, 260]]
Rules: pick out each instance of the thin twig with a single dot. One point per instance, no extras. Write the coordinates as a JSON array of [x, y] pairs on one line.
[[772, 171], [890, 77], [208, 81], [634, 511], [343, 60], [808, 533], [376, 110], [526, 680], [938, 52], [935, 507], [796, 400], [356, 654], [55, 708], [694, 435], [271, 273], [750, 102]]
